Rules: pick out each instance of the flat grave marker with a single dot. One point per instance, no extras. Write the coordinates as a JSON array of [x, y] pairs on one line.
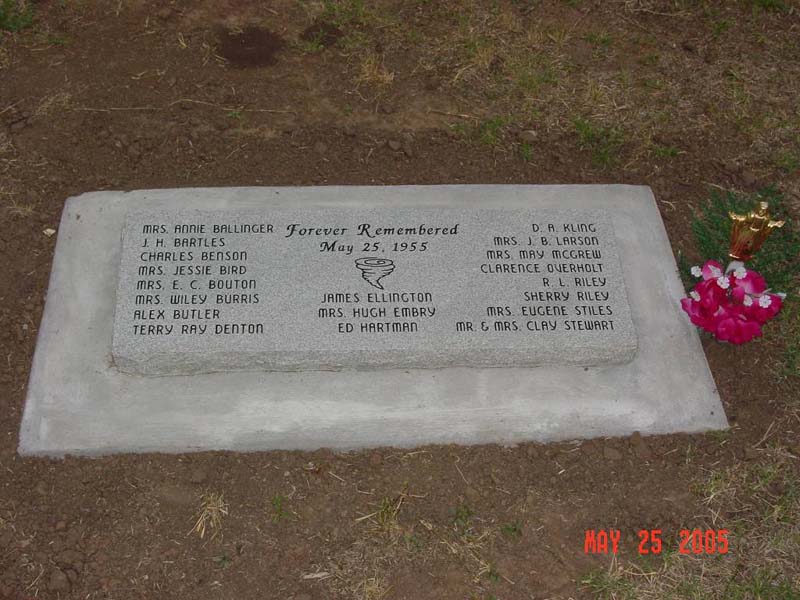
[[347, 317], [394, 288]]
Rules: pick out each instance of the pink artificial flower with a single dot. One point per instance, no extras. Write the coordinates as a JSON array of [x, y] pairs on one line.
[[731, 325], [697, 315], [731, 305], [763, 308], [711, 295], [711, 270], [751, 283]]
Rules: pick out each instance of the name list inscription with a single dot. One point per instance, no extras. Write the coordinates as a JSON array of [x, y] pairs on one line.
[[384, 288]]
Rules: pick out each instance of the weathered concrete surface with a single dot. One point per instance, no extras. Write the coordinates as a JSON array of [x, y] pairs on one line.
[[79, 403], [323, 289]]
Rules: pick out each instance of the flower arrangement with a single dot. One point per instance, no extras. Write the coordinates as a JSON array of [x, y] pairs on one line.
[[734, 304]]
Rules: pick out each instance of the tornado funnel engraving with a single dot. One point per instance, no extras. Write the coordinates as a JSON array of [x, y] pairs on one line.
[[374, 269]]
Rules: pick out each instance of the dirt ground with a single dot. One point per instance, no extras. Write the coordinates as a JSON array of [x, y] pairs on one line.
[[684, 96]]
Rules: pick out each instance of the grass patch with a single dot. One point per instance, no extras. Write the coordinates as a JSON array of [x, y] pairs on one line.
[[684, 271], [462, 517], [223, 561], [779, 258], [388, 512], [57, 40], [787, 161], [600, 40], [489, 131], [720, 27], [604, 143], [790, 320], [665, 151], [492, 574], [414, 543], [503, 58], [763, 585], [769, 5], [530, 74], [609, 584], [460, 129], [312, 46], [341, 23], [526, 151], [650, 60], [278, 510], [512, 530], [343, 12], [758, 503], [15, 15]]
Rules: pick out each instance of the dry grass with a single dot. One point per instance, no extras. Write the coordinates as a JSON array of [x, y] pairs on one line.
[[362, 572], [546, 66], [54, 103], [209, 516], [759, 503], [9, 163], [5, 58], [468, 548], [14, 207], [372, 588], [11, 201], [374, 72], [385, 519], [6, 149]]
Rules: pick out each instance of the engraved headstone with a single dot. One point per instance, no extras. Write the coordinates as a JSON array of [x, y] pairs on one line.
[[262, 318], [383, 288]]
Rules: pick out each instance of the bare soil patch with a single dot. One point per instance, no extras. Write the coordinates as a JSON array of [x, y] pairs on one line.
[[249, 47]]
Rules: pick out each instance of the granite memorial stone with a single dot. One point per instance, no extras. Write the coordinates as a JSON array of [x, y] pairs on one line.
[[383, 288]]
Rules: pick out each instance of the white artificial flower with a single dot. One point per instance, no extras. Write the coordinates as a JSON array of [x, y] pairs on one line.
[[695, 296], [697, 271], [740, 273], [723, 282], [748, 301], [765, 301]]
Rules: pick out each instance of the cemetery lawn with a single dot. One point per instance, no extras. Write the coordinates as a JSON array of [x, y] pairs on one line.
[[688, 97]]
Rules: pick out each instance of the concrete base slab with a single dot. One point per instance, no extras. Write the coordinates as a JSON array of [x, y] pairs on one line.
[[78, 402]]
